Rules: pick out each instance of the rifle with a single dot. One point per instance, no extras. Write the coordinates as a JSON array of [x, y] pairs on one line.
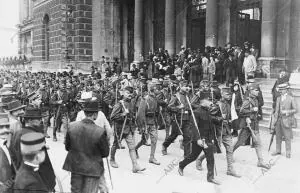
[[202, 142], [124, 123], [252, 133]]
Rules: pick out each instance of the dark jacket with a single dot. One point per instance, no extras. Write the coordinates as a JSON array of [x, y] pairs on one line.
[[46, 170], [7, 171], [29, 181], [203, 120], [86, 144]]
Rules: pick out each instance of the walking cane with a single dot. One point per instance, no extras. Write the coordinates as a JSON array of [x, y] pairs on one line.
[[108, 167]]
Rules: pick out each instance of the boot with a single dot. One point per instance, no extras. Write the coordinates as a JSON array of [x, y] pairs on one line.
[[112, 157], [263, 165], [199, 162], [180, 171], [214, 181], [231, 172], [54, 138], [164, 150], [113, 164], [137, 153], [153, 161], [276, 153], [152, 153], [135, 167]]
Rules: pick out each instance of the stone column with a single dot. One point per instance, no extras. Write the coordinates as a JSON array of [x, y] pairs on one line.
[[138, 29], [211, 30], [268, 35], [26, 9], [294, 46], [170, 27]]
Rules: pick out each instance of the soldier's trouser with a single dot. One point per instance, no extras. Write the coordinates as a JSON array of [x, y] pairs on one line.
[[286, 132], [152, 131], [186, 136], [84, 184], [196, 150], [130, 140], [45, 119], [61, 120], [243, 136], [227, 142]]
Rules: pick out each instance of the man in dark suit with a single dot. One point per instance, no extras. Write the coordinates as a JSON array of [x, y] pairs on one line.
[[7, 171], [28, 179], [86, 144], [33, 122], [229, 69]]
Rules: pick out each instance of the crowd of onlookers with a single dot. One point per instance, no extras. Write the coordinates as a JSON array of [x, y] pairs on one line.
[[223, 64]]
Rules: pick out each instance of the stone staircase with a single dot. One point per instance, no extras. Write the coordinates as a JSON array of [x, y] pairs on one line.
[[266, 86]]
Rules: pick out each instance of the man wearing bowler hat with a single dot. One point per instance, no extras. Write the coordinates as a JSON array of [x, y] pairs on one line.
[[86, 144], [33, 124], [28, 178]]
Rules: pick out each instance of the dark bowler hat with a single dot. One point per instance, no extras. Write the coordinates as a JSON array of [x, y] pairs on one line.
[[91, 106], [14, 106], [32, 142], [32, 112]]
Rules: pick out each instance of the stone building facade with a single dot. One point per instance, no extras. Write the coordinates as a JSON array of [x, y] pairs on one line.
[[80, 32]]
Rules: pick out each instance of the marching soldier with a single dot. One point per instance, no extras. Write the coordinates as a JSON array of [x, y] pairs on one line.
[[202, 140], [147, 119], [180, 124], [44, 93], [283, 116], [222, 123], [60, 99], [123, 119], [249, 111]]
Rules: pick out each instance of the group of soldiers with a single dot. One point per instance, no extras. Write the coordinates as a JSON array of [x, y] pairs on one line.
[[119, 107]]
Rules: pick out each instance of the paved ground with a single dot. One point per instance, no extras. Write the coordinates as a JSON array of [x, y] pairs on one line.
[[284, 176]]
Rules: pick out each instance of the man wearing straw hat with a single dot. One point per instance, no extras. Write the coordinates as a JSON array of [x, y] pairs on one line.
[[283, 117], [7, 169], [28, 178], [86, 144]]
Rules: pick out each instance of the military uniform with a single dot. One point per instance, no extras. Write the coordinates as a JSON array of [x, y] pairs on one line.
[[147, 119], [60, 100], [249, 111], [180, 122], [124, 130]]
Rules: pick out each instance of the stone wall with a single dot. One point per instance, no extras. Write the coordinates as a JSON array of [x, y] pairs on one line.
[[72, 35]]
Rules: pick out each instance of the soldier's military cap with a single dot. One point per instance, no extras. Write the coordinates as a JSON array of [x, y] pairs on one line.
[[129, 88], [251, 80], [226, 90], [283, 86], [253, 86]]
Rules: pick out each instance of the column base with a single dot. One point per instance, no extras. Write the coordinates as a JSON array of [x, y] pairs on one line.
[[270, 66]]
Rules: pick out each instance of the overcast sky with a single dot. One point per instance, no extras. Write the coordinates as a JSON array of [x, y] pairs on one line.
[[9, 18]]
